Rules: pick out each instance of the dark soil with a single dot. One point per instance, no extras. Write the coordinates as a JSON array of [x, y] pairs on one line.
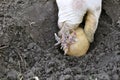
[[27, 41]]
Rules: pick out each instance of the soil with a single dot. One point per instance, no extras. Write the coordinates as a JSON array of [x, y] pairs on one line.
[[27, 41]]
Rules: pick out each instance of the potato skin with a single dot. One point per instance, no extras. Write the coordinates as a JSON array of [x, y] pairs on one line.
[[81, 46]]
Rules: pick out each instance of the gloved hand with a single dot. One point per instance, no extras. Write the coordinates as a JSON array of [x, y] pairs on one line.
[[71, 13]]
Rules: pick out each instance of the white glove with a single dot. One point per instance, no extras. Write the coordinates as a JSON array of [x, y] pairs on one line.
[[71, 13]]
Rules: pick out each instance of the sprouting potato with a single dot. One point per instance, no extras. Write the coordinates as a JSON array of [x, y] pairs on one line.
[[80, 46]]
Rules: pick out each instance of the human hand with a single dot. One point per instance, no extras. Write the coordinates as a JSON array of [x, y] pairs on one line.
[[71, 13]]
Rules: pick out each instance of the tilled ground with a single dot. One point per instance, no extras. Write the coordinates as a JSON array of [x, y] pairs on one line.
[[27, 41]]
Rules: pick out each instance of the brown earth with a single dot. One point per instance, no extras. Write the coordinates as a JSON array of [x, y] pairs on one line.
[[27, 41]]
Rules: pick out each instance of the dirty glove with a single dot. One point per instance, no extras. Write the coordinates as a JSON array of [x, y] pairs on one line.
[[71, 13]]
